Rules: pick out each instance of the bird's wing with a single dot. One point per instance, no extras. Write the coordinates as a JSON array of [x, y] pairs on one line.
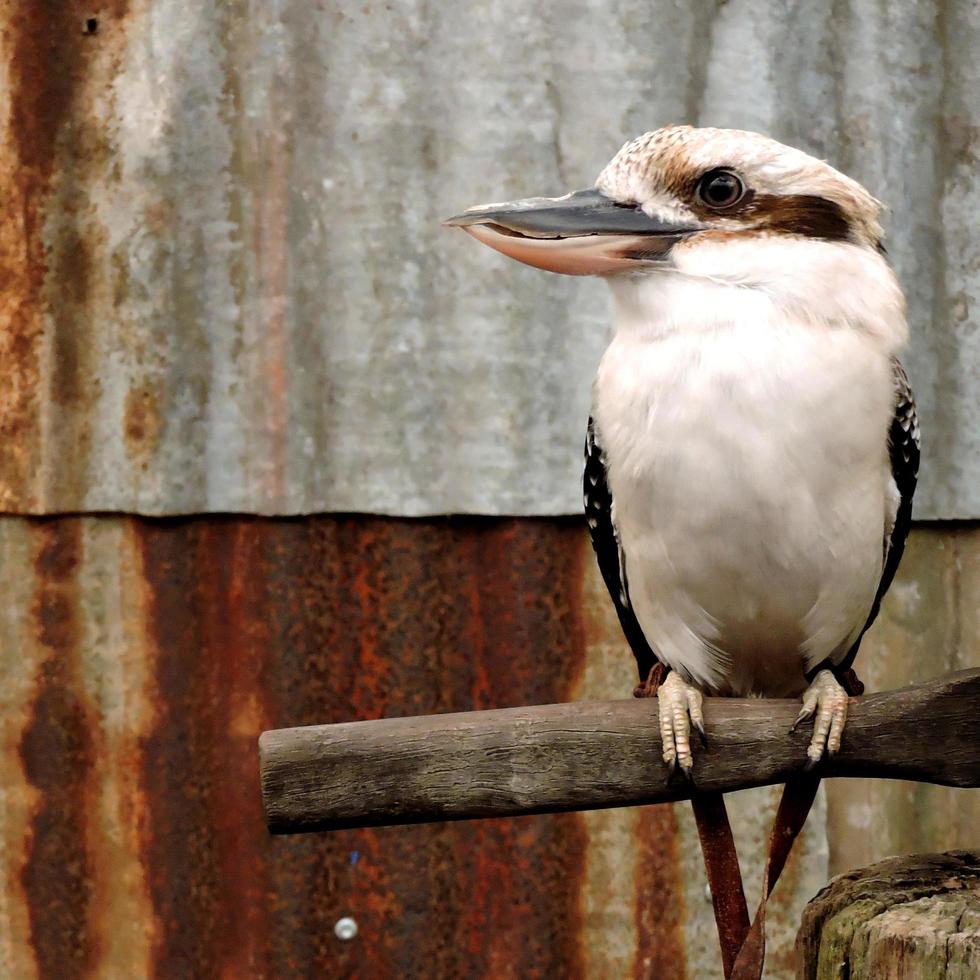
[[903, 450], [609, 550]]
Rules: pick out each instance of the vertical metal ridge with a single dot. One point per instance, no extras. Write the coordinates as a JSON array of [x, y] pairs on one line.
[[660, 905], [59, 749]]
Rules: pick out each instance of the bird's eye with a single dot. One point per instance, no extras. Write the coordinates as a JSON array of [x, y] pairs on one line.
[[720, 189]]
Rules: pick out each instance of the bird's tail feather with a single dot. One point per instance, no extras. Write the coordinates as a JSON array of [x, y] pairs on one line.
[[743, 946], [724, 875], [794, 806]]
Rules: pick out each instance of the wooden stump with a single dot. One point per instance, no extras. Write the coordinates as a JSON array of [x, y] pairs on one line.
[[907, 918]]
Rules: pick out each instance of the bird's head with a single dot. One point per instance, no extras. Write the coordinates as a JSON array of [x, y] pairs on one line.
[[714, 205]]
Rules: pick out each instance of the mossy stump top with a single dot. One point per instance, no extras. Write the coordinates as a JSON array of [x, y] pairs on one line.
[[907, 917]]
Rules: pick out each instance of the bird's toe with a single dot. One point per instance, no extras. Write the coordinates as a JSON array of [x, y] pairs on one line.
[[680, 707], [826, 701]]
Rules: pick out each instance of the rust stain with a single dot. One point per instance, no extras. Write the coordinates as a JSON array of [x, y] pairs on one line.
[[48, 59], [659, 897], [38, 101], [142, 421], [236, 624], [476, 899], [203, 849], [58, 749], [245, 647], [116, 662], [18, 547], [276, 622]]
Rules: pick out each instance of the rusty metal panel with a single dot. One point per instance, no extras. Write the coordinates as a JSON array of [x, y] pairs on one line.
[[143, 657], [225, 285], [142, 660]]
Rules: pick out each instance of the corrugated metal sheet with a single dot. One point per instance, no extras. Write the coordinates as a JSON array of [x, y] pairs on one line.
[[142, 658], [226, 289]]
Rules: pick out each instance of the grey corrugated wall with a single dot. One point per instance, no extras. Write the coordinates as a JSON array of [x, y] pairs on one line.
[[241, 298]]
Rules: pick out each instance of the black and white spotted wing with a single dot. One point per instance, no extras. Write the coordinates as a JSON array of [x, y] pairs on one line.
[[903, 450], [608, 551]]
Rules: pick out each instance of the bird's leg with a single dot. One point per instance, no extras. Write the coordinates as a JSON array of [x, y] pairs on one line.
[[648, 687], [680, 706], [827, 699]]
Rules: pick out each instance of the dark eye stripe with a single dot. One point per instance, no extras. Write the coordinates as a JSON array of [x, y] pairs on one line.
[[801, 214], [808, 215]]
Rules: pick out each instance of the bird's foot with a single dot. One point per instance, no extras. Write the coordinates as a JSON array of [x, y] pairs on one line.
[[828, 700], [680, 706]]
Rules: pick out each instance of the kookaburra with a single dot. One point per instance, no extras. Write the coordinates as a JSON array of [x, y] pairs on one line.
[[753, 447]]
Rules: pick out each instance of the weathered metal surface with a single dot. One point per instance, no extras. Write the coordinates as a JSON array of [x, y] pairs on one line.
[[141, 659], [225, 287]]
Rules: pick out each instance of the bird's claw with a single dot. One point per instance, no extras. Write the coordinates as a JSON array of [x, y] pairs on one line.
[[805, 712], [680, 708], [698, 724], [827, 700]]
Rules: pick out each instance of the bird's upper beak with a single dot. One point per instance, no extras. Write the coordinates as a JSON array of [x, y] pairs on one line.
[[581, 234]]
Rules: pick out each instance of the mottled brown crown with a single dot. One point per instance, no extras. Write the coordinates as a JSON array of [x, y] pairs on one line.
[[787, 191]]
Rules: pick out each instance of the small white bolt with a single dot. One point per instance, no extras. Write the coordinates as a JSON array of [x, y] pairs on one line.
[[345, 928]]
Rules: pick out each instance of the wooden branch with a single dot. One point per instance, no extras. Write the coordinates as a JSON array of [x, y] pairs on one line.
[[590, 755]]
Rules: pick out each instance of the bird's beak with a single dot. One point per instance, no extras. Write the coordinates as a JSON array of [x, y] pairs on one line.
[[583, 233]]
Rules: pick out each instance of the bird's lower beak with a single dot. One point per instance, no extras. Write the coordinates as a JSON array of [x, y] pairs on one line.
[[581, 234]]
